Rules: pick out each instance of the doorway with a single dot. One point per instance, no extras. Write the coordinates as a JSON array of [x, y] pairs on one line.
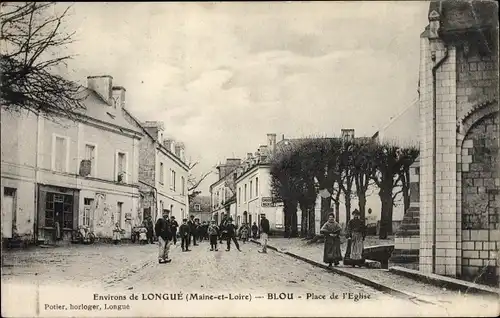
[[8, 212]]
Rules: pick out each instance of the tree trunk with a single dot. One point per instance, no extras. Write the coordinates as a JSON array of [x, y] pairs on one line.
[[387, 204], [337, 210], [294, 222], [312, 222], [325, 209], [362, 204], [303, 222], [288, 219], [347, 205]]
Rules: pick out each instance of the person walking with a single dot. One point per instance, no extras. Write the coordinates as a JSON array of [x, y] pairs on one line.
[[264, 233], [331, 253], [244, 233], [150, 230], [173, 226], [192, 231], [164, 234], [356, 232], [255, 229], [184, 233], [222, 228], [231, 235], [213, 232]]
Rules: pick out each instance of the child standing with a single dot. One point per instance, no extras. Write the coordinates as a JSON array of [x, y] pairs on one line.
[[117, 233], [184, 233], [213, 232]]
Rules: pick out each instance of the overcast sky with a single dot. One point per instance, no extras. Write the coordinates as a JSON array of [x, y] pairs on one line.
[[223, 75]]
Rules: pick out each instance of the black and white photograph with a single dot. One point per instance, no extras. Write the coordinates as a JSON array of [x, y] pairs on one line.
[[250, 159]]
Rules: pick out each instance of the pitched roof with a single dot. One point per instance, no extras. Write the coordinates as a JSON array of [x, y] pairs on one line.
[[461, 15], [98, 109]]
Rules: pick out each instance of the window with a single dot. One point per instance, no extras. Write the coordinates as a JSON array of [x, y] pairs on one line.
[[60, 154], [121, 167], [245, 193], [183, 186], [119, 213], [251, 188], [197, 207], [239, 195], [162, 176], [172, 180], [257, 186], [87, 208], [90, 155]]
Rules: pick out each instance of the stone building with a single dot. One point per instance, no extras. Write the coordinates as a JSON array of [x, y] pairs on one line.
[[459, 178], [163, 172], [199, 206], [58, 174], [223, 191]]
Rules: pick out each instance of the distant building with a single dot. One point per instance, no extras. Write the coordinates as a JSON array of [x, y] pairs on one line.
[[58, 175], [200, 208], [222, 191], [163, 172]]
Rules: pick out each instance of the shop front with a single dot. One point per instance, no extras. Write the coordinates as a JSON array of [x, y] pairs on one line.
[[57, 213]]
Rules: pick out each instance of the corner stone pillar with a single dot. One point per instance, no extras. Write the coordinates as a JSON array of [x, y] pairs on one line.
[[442, 158]]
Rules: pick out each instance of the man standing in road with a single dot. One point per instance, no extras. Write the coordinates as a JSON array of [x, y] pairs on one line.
[[173, 226], [164, 233], [192, 231], [264, 233], [255, 229], [231, 235], [184, 233], [222, 228]]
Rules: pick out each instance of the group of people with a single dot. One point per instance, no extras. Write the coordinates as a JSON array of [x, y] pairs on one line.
[[355, 235], [191, 230]]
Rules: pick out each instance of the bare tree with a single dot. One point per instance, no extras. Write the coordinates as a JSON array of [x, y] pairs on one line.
[[33, 40], [194, 182]]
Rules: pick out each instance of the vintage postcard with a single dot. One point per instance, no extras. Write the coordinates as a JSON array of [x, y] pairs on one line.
[[250, 159]]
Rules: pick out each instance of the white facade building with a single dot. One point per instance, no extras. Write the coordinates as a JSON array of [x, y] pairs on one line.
[[59, 174]]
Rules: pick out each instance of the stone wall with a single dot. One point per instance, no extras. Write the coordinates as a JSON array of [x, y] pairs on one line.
[[480, 204]]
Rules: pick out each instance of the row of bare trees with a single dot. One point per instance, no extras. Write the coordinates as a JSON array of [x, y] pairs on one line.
[[339, 170]]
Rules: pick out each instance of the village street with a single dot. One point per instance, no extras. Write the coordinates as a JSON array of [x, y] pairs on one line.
[[109, 269]]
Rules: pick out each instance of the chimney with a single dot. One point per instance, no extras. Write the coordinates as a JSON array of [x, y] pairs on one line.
[[282, 137], [168, 144], [347, 134], [155, 128], [271, 143], [102, 85], [263, 150], [118, 97], [179, 150]]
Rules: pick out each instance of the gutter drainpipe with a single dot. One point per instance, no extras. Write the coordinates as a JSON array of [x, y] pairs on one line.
[[434, 160]]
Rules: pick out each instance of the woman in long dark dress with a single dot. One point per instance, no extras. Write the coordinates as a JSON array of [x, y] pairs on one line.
[[331, 230], [356, 233]]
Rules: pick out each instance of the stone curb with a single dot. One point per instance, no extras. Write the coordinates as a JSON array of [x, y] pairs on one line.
[[447, 282], [359, 279]]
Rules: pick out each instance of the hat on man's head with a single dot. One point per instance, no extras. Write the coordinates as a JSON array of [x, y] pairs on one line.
[[356, 212]]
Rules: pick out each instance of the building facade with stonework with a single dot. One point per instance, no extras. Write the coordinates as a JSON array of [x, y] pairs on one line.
[[223, 191], [459, 141], [163, 172], [199, 206], [58, 174]]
